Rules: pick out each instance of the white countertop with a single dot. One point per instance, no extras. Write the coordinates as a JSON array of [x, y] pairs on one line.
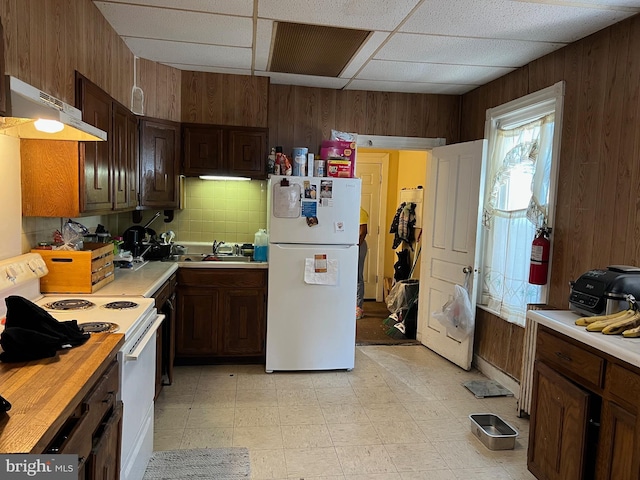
[[563, 321], [139, 282]]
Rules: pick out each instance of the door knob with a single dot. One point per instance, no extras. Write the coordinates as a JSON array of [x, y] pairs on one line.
[[468, 269]]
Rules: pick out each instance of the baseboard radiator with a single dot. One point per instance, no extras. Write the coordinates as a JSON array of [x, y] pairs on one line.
[[528, 359]]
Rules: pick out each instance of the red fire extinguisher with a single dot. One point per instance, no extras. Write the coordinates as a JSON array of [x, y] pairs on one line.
[[539, 267]]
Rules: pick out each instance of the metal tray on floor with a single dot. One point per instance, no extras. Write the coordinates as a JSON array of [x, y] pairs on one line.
[[493, 431]]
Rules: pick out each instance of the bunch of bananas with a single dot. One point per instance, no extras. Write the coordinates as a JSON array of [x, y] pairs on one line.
[[626, 322]]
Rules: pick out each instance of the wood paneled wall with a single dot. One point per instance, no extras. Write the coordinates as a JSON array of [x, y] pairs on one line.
[[162, 86], [304, 116], [47, 40], [222, 99], [598, 201]]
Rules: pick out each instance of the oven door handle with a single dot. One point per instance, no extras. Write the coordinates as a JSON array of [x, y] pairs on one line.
[[149, 335]]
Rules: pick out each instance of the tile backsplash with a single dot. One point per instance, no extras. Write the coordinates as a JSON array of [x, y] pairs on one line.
[[224, 210], [231, 211]]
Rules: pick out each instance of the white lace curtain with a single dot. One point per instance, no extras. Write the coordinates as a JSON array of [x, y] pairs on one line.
[[515, 205]]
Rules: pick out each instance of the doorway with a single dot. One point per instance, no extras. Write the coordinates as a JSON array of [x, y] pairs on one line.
[[384, 174], [372, 169]]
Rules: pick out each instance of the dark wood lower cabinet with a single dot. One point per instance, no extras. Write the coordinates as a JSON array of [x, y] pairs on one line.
[[104, 462], [221, 315], [559, 422], [165, 298], [585, 414], [93, 431]]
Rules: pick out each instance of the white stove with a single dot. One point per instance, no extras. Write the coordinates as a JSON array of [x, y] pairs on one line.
[[98, 310], [135, 317]]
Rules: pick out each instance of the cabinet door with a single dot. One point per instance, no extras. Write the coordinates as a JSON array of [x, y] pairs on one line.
[[96, 110], [119, 139], [620, 432], [558, 427], [247, 152], [104, 463], [3, 82], [203, 150], [159, 163], [618, 445], [197, 322], [243, 331], [133, 147]]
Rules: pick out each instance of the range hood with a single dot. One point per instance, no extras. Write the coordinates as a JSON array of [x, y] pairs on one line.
[[26, 105]]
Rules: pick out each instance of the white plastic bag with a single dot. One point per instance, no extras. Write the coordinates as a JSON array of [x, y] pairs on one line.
[[402, 295], [457, 315]]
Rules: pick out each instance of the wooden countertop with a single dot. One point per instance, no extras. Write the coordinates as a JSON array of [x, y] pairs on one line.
[[43, 393]]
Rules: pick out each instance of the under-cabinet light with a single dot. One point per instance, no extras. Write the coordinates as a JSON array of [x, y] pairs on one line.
[[216, 177]]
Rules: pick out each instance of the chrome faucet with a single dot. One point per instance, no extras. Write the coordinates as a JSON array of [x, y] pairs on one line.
[[216, 244]]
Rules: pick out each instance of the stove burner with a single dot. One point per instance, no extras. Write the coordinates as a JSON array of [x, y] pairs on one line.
[[70, 304], [121, 305], [97, 327]]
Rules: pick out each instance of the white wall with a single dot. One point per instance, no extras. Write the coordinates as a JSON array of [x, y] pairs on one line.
[[10, 198]]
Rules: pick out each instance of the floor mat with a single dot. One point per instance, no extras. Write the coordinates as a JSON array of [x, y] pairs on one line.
[[203, 463], [487, 388], [371, 330]]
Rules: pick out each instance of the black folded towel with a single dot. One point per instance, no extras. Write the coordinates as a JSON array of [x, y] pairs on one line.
[[46, 332], [22, 345]]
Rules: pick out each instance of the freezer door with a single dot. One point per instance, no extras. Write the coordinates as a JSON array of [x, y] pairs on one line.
[[311, 326], [334, 202]]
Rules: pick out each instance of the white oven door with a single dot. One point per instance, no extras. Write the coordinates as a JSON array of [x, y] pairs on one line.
[[137, 368]]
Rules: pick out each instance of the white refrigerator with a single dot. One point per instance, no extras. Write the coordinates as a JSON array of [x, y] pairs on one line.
[[313, 225]]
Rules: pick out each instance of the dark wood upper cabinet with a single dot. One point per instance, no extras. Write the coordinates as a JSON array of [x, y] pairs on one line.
[[110, 168], [3, 81], [159, 164], [247, 151], [96, 106], [224, 150], [203, 149]]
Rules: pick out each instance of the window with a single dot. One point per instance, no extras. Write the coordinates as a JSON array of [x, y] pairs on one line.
[[519, 197]]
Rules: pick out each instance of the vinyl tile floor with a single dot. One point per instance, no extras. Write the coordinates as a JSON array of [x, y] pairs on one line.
[[401, 414]]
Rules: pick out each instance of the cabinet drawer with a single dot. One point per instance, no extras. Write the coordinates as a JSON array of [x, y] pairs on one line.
[[624, 384], [570, 358], [222, 277]]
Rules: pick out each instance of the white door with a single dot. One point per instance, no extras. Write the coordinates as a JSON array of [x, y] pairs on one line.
[[371, 176], [449, 242]]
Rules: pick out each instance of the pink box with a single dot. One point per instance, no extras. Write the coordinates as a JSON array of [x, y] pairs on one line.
[[339, 149]]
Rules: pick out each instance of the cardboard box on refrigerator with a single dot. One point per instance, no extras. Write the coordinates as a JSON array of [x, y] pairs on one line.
[[336, 149]]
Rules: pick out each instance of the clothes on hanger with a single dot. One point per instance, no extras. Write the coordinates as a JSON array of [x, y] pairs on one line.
[[403, 224]]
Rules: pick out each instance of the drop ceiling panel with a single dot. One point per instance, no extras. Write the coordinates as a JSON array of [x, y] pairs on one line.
[[227, 7], [178, 25], [430, 72], [364, 54], [304, 80], [508, 19], [369, 15], [190, 53], [409, 87], [205, 68], [471, 41], [262, 47], [462, 51]]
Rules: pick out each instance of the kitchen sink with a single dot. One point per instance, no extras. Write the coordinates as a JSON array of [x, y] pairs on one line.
[[208, 257]]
